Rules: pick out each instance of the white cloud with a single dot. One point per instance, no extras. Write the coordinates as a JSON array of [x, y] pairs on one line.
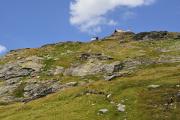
[[89, 15], [128, 15], [2, 49]]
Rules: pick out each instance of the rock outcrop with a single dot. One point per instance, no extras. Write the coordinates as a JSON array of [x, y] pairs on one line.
[[35, 89], [27, 91], [21, 68], [94, 67], [12, 73]]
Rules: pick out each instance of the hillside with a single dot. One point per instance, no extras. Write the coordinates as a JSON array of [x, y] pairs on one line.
[[124, 76]]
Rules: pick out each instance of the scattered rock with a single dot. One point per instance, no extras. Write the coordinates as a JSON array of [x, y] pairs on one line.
[[112, 102], [72, 84], [109, 78], [98, 56], [115, 75], [109, 95], [103, 111], [94, 92], [121, 107], [153, 86]]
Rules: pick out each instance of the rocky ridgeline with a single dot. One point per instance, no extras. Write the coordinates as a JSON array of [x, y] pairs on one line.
[[156, 35], [153, 35]]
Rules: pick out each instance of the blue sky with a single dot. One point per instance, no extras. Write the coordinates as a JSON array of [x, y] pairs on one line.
[[32, 23]]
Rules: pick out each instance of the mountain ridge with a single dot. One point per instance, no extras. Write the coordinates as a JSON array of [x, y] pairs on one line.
[[115, 77]]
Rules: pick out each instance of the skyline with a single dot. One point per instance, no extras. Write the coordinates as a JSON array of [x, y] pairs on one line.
[[29, 24]]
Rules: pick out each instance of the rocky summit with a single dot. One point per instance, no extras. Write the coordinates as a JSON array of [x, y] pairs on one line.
[[124, 76]]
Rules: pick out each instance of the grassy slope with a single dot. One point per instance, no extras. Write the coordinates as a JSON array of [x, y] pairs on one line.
[[141, 103]]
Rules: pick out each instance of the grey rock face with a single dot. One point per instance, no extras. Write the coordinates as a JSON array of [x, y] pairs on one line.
[[21, 68], [4, 90], [7, 90], [31, 90], [134, 63], [12, 81], [11, 74], [113, 67], [8, 99], [56, 71], [39, 89], [94, 67], [16, 71]]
